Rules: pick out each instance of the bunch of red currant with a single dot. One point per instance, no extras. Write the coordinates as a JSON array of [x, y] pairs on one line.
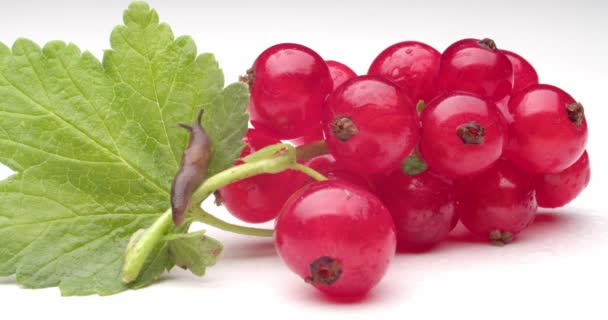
[[424, 140]]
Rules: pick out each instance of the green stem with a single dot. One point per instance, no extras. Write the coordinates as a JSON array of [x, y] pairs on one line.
[[311, 150], [205, 217], [240, 172], [142, 247], [309, 171]]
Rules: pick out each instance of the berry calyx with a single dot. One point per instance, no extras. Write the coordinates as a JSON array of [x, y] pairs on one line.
[[344, 128], [324, 270], [470, 133], [370, 125], [476, 66], [500, 238], [576, 113], [336, 236], [248, 78], [288, 85], [462, 134], [487, 43]]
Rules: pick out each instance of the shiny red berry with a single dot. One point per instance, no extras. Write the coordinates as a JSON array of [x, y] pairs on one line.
[[524, 74], [423, 207], [336, 236], [462, 134], [339, 72], [548, 132], [476, 66], [330, 168], [370, 125], [259, 199], [558, 189], [289, 83], [498, 203], [412, 65]]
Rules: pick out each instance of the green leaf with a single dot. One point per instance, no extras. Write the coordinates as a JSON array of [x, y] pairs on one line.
[[226, 135], [194, 251], [96, 145]]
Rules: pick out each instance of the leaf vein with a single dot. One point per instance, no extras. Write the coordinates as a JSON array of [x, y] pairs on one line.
[[156, 101], [107, 215], [104, 149], [56, 155], [79, 247]]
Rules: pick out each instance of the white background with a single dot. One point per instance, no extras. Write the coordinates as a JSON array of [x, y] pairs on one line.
[[556, 269]]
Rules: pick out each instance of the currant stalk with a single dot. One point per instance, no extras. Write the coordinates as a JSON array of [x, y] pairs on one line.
[[141, 247]]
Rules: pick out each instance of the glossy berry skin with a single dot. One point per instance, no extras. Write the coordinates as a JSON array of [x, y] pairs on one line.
[[499, 201], [461, 134], [412, 65], [289, 83], [478, 67], [339, 72], [524, 74], [558, 189], [503, 107], [369, 124], [549, 131], [336, 236], [423, 207], [259, 199], [328, 166]]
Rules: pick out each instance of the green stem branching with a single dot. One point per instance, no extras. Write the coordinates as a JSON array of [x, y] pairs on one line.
[[140, 248]]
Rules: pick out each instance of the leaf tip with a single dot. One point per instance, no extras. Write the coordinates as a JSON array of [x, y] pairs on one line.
[[23, 45], [139, 12]]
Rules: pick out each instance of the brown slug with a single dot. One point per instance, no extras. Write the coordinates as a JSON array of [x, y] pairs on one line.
[[193, 170]]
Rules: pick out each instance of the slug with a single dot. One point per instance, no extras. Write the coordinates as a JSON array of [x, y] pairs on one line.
[[193, 169]]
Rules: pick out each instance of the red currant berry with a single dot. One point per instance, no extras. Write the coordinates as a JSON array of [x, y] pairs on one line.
[[259, 199], [558, 189], [476, 66], [327, 166], [422, 205], [412, 65], [370, 125], [497, 204], [337, 237], [289, 83], [524, 74], [503, 107], [339, 72], [454, 221], [462, 134], [549, 131]]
